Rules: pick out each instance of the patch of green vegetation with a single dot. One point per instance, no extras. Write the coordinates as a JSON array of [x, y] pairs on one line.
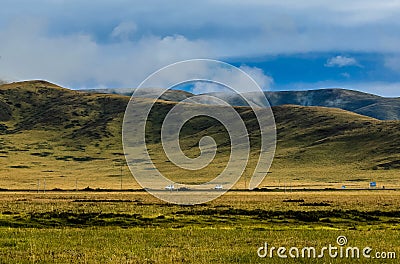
[[136, 228], [19, 166], [42, 154]]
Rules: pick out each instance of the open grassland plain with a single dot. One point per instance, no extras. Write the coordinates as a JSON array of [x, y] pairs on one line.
[[52, 138], [134, 227]]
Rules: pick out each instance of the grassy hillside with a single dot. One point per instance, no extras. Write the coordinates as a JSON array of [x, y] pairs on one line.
[[334, 147], [67, 139]]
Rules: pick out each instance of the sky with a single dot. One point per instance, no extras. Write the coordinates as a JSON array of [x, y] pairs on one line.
[[283, 45]]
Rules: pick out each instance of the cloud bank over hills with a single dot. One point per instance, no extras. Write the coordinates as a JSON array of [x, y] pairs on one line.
[[118, 44]]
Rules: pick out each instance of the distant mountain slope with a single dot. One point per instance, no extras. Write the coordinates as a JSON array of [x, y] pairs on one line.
[[169, 95], [358, 102], [362, 103]]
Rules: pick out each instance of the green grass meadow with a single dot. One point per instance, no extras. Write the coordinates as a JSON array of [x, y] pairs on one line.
[[90, 227], [67, 196]]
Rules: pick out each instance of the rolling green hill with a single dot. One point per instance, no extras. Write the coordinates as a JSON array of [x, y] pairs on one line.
[[73, 139]]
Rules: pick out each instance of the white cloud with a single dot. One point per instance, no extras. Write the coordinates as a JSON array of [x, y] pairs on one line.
[[79, 43], [207, 87], [235, 27], [388, 89], [392, 62], [345, 75], [206, 74], [263, 80], [341, 61], [124, 30], [77, 60], [228, 77]]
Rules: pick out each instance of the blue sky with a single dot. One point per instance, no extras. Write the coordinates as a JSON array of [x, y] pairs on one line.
[[284, 45]]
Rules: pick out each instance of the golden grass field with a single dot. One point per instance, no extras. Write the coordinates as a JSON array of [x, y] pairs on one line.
[[22, 170], [60, 150], [134, 227]]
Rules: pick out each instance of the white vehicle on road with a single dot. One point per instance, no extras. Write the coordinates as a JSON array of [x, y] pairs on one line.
[[170, 187]]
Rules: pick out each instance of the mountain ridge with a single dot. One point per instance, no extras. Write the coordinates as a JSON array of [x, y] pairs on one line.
[[383, 108]]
